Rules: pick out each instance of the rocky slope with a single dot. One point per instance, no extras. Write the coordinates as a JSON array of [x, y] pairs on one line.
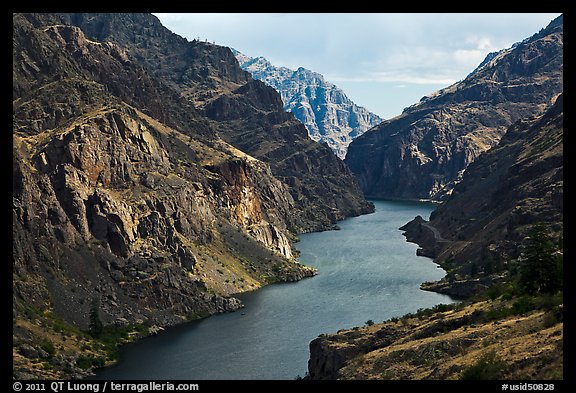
[[481, 229], [484, 236], [131, 207], [328, 114], [483, 340], [423, 152], [244, 112]]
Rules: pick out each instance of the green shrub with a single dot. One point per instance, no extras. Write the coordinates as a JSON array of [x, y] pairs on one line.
[[87, 362], [542, 270], [507, 296], [549, 301], [48, 346], [494, 292], [522, 306], [551, 318], [496, 314], [442, 307], [488, 367]]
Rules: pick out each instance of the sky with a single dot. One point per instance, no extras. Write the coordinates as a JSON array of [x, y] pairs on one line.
[[384, 62]]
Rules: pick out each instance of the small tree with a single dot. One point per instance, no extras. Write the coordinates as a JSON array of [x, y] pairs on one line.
[[95, 324]]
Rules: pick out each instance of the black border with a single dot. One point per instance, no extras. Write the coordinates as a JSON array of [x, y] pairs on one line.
[[182, 6]]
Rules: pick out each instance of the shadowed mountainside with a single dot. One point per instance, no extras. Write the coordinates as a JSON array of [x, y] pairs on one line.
[[244, 112], [483, 226], [134, 205], [422, 153], [498, 234]]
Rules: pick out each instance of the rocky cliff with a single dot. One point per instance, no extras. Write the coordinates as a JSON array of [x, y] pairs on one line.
[[131, 208], [243, 112], [480, 235], [480, 231], [484, 340], [500, 227], [328, 114], [422, 153]]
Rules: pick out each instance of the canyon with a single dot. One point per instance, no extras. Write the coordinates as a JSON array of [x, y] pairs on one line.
[[423, 153], [498, 233], [137, 201], [155, 180], [328, 114]]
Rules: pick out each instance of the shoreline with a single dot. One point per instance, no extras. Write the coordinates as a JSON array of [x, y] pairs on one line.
[[239, 295]]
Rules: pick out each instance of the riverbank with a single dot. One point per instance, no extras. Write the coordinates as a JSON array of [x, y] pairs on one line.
[[367, 270], [518, 338], [58, 350]]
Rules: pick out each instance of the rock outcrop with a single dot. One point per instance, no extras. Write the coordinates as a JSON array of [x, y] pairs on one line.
[[328, 114], [446, 344], [246, 113], [481, 229], [422, 153], [481, 235], [134, 202]]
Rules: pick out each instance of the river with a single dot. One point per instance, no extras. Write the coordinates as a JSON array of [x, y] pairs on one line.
[[367, 271]]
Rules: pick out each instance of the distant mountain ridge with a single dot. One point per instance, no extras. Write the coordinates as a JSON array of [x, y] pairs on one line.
[[422, 153], [328, 114], [498, 234], [153, 179]]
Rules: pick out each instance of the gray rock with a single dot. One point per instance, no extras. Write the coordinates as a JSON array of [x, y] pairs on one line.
[[423, 152], [328, 114], [117, 275], [58, 361], [124, 126], [24, 376], [28, 351]]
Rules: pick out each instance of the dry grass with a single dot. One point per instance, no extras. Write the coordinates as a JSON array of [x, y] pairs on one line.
[[529, 346]]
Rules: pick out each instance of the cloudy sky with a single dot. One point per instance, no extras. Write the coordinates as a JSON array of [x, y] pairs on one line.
[[384, 62]]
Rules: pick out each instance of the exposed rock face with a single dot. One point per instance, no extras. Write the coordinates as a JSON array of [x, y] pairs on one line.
[[443, 345], [477, 235], [125, 193], [246, 113], [518, 183], [423, 152], [328, 114], [322, 187]]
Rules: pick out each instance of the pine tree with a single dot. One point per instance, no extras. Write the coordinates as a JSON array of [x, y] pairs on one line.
[[95, 324], [542, 270]]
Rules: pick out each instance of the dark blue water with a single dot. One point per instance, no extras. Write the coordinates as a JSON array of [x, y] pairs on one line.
[[367, 270]]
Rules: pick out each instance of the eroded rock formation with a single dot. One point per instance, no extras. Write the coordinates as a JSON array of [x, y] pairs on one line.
[[422, 153]]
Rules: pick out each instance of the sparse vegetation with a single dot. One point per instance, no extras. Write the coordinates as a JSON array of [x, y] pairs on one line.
[[487, 323], [88, 362], [48, 346], [488, 367], [96, 326]]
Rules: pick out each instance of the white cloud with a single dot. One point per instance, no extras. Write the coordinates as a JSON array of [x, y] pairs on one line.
[[392, 77], [468, 58], [414, 50], [356, 43], [480, 42]]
